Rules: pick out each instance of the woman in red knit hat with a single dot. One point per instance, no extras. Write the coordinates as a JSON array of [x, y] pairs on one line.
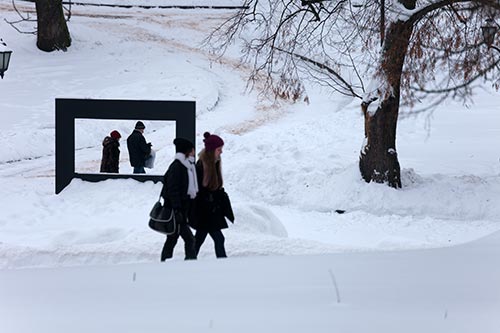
[[210, 204], [111, 153]]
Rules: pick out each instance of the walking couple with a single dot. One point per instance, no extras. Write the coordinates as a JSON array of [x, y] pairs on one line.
[[196, 193]]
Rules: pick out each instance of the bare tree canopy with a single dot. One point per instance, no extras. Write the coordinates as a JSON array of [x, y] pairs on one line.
[[407, 53]]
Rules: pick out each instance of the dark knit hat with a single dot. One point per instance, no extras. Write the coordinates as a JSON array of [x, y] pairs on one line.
[[139, 125], [182, 145], [115, 135], [212, 141]]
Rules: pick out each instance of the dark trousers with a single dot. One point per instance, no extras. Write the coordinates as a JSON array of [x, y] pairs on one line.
[[217, 236], [189, 243], [139, 169]]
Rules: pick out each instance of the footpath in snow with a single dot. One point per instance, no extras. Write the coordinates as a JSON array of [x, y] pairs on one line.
[[442, 290]]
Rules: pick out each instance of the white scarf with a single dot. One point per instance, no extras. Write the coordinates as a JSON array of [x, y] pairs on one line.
[[191, 169]]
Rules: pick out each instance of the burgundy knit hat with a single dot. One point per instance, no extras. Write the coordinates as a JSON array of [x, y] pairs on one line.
[[212, 141], [115, 135]]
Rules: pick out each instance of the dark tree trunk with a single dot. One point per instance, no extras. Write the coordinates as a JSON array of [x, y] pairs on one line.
[[378, 160], [52, 31]]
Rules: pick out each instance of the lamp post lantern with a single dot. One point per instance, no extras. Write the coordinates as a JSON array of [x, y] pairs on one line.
[[5, 54], [489, 30]]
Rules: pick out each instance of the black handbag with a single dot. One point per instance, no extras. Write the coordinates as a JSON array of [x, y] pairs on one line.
[[222, 204], [227, 208], [162, 219]]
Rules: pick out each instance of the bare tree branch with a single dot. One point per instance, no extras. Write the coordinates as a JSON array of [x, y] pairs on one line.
[[26, 18], [337, 76]]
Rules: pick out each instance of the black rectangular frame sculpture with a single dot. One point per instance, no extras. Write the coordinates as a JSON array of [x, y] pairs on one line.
[[67, 110]]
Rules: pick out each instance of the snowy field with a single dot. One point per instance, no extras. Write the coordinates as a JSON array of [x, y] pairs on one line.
[[287, 168]]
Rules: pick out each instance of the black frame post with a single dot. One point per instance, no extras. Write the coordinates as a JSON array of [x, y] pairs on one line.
[[67, 110]]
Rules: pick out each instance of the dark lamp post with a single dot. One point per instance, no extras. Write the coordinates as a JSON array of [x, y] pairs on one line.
[[490, 29], [4, 57]]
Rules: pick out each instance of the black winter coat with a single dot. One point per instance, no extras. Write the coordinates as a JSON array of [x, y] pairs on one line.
[[209, 205], [175, 187], [110, 155], [138, 149]]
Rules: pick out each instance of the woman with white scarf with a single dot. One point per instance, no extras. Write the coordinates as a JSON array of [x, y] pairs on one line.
[[180, 187]]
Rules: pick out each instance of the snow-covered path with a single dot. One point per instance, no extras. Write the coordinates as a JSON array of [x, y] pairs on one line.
[[442, 290], [287, 167]]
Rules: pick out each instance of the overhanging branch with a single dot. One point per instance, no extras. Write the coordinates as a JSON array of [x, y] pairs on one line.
[[323, 67], [460, 86], [419, 14]]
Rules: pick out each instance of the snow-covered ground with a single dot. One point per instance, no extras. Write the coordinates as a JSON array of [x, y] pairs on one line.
[[395, 261], [287, 167], [450, 290]]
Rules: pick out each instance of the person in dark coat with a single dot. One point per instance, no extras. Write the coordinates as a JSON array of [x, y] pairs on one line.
[[210, 212], [180, 187], [138, 149], [111, 153]]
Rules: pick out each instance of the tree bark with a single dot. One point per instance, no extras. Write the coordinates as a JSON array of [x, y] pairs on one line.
[[52, 31], [378, 160]]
